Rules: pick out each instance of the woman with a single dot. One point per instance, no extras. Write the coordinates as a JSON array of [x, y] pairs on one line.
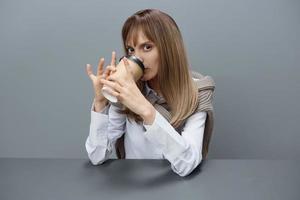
[[168, 112]]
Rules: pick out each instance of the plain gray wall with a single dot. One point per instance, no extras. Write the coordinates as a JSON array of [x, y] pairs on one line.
[[250, 48]]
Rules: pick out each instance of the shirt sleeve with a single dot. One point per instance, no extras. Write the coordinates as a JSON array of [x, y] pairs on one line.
[[97, 145], [184, 151], [116, 123]]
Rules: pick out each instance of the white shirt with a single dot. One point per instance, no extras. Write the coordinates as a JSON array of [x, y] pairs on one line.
[[156, 141]]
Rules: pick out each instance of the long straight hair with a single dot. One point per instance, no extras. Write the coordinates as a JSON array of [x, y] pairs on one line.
[[174, 77]]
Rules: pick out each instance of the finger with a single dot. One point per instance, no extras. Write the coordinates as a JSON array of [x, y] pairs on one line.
[[115, 85], [120, 80], [111, 68], [125, 60], [128, 72], [89, 71], [126, 63], [100, 67], [106, 74], [108, 71], [113, 58], [112, 92]]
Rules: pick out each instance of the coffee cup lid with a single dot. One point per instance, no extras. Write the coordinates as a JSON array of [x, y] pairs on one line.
[[134, 59]]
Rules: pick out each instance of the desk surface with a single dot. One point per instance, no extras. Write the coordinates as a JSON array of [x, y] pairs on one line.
[[65, 179]]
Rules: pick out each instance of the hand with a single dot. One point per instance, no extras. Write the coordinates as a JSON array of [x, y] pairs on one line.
[[127, 92], [97, 85]]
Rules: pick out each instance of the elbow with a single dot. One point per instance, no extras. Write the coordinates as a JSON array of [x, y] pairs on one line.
[[96, 157], [95, 161], [186, 170], [186, 164], [95, 154]]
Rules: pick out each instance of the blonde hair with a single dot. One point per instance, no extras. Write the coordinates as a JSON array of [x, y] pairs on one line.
[[176, 84]]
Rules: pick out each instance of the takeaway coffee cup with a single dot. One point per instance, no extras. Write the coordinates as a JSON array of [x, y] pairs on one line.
[[136, 68]]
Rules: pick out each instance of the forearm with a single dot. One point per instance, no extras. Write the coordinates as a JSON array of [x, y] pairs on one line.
[[184, 149], [97, 141]]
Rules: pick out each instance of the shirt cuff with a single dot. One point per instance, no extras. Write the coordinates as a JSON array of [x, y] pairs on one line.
[[103, 111]]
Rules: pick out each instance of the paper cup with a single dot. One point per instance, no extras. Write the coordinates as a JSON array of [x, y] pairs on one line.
[[134, 67]]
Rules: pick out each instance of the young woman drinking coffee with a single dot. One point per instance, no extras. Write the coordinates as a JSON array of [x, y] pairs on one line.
[[166, 114]]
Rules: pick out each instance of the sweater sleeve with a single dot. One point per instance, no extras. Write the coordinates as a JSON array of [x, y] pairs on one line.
[[184, 151]]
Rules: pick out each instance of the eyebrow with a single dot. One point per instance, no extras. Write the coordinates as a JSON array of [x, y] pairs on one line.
[[142, 44]]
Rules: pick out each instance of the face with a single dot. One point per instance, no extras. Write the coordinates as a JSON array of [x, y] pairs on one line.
[[147, 52]]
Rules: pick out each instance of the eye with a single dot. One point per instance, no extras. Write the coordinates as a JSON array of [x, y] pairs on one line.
[[130, 50], [147, 47]]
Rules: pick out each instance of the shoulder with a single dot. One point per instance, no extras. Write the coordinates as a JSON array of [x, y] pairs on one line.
[[203, 82]]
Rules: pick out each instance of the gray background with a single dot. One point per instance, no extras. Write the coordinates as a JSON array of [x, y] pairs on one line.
[[250, 48]]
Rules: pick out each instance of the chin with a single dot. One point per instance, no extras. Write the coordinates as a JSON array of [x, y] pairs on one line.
[[146, 78]]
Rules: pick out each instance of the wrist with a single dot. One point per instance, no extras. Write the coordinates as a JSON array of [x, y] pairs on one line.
[[99, 105], [149, 115], [100, 100]]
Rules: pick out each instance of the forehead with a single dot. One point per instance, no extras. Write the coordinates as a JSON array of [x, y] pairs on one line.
[[136, 37]]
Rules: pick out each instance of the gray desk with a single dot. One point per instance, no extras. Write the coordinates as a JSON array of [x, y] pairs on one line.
[[44, 179]]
